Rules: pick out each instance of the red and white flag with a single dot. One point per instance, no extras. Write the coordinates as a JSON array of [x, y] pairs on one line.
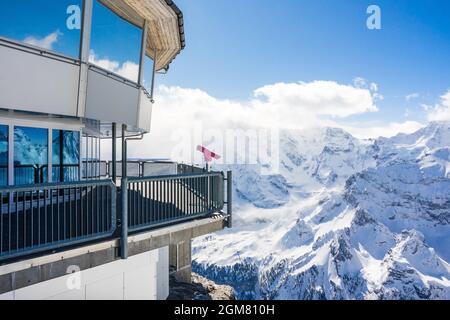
[[208, 154]]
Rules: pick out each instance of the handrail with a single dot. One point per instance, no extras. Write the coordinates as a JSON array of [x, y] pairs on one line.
[[175, 176], [49, 54], [25, 47], [56, 185], [45, 217], [163, 200], [113, 75]]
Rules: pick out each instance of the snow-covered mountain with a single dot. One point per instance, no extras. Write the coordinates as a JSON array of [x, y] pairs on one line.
[[30, 149], [344, 219]]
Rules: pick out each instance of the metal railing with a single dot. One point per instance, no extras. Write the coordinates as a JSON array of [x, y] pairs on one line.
[[156, 201], [44, 217], [94, 169], [185, 169], [141, 169], [38, 174], [28, 174], [69, 172], [138, 169]]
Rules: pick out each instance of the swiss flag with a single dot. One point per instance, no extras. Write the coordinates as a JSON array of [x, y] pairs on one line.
[[208, 154]]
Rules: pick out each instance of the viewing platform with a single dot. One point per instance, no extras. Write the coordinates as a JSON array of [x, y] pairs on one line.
[[76, 222], [47, 228]]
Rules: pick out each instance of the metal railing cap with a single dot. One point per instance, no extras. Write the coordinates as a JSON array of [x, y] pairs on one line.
[[58, 185]]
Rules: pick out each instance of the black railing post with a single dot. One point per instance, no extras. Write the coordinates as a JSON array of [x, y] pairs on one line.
[[114, 153], [230, 198], [124, 196]]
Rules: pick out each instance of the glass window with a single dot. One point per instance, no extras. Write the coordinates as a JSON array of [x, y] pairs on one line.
[[115, 43], [66, 156], [51, 25], [148, 74], [30, 155], [4, 155], [56, 156]]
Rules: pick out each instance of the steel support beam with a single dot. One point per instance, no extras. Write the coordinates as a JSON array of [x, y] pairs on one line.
[[124, 197], [143, 52], [152, 93], [113, 175], [84, 56], [230, 198]]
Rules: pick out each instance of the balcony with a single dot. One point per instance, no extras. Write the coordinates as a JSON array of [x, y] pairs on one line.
[[35, 80], [111, 98], [47, 217]]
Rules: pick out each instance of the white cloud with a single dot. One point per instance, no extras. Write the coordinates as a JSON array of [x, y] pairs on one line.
[[440, 112], [319, 98], [285, 105], [412, 96], [282, 105], [374, 87], [47, 42], [388, 130], [426, 107], [362, 83], [128, 69]]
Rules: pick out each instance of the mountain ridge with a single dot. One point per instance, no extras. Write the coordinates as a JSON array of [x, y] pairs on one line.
[[343, 219]]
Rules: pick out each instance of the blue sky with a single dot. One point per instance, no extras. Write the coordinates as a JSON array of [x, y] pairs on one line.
[[234, 47], [265, 42]]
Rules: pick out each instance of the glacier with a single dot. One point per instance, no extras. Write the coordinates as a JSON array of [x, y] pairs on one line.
[[343, 219]]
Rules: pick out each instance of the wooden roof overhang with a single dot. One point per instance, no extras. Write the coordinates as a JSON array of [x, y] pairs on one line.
[[165, 34]]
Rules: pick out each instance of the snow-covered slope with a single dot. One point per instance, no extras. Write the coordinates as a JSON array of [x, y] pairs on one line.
[[344, 219]]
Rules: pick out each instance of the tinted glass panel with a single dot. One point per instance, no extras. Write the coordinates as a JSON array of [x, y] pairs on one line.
[[52, 25], [71, 151], [3, 155], [115, 43], [30, 155], [66, 156], [148, 74]]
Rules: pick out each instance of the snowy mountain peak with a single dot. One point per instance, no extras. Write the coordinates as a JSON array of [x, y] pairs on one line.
[[344, 219], [435, 135]]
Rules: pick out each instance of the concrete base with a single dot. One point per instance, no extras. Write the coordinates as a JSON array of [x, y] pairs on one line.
[[141, 277], [180, 260], [19, 280]]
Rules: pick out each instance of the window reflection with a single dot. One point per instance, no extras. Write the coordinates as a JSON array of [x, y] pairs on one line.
[[148, 73], [115, 43], [66, 156], [3, 155], [30, 155], [41, 23]]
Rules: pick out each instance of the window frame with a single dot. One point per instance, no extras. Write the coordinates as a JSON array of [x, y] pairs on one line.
[[49, 126]]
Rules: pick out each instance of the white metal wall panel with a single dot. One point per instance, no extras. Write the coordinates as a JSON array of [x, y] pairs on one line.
[[145, 112], [7, 296], [163, 274], [30, 82], [49, 85], [111, 100], [106, 289]]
